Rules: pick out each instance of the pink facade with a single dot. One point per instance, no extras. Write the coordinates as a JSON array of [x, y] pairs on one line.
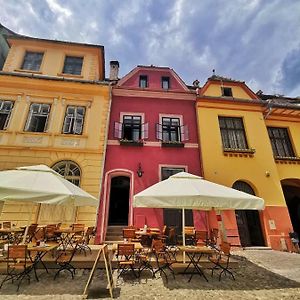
[[142, 138]]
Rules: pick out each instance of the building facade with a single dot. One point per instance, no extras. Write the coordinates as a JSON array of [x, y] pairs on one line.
[[54, 104], [152, 135], [254, 147]]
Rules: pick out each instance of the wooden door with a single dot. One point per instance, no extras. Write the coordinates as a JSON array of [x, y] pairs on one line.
[[242, 224]]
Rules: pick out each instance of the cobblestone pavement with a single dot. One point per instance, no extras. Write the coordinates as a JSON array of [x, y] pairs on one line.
[[261, 274]]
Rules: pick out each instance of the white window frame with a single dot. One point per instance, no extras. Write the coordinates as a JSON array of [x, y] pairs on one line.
[[40, 112], [74, 119], [6, 112]]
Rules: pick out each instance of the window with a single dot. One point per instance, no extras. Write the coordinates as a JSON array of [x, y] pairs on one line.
[[38, 117], [132, 128], [165, 83], [143, 81], [74, 118], [32, 61], [5, 111], [69, 170], [73, 65], [233, 133], [170, 129], [280, 142], [243, 187], [226, 91], [166, 172]]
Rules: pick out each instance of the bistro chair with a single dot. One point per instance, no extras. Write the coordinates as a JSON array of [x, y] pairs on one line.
[[221, 261], [64, 261], [50, 232], [19, 264], [31, 233], [83, 241], [164, 259], [6, 225], [214, 238], [189, 232], [201, 238], [126, 258], [129, 234]]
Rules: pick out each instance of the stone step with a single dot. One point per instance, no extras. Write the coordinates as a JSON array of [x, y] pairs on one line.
[[257, 248]]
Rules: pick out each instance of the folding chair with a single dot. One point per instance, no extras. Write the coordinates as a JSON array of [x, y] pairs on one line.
[[126, 258], [31, 233], [164, 259], [214, 238], [129, 234], [201, 238], [83, 244], [221, 262], [64, 260], [6, 225], [18, 264], [189, 232]]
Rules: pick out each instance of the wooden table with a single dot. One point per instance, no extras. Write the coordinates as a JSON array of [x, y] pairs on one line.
[[12, 234], [195, 253], [137, 246], [36, 254], [147, 237]]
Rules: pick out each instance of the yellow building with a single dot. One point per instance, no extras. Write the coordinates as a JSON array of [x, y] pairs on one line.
[[253, 145], [54, 104]]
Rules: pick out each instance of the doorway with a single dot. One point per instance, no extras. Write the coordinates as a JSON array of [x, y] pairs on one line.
[[291, 191], [119, 201], [248, 221]]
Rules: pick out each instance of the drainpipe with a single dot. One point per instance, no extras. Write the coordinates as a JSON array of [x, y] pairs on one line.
[[99, 235]]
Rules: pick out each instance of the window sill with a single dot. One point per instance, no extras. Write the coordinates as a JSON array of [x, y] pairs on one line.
[[73, 135], [285, 160], [33, 133], [172, 145], [69, 75], [238, 152], [131, 143], [28, 71]]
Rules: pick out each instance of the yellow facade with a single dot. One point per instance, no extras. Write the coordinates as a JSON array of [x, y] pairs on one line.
[[49, 86], [255, 166]]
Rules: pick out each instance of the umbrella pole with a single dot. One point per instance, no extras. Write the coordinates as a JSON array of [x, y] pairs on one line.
[[183, 233], [28, 223]]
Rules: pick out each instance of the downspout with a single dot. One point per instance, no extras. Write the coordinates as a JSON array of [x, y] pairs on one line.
[[99, 236]]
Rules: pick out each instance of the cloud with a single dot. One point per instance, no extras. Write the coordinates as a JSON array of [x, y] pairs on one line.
[[251, 40]]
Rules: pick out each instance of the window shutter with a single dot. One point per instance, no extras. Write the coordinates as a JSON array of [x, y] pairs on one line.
[[158, 131], [184, 132], [27, 126], [67, 124], [46, 110], [78, 124], [145, 129], [118, 130]]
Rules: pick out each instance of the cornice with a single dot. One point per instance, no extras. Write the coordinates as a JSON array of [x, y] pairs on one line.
[[178, 95]]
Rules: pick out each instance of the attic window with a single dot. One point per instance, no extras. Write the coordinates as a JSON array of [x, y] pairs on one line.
[[143, 83], [32, 61], [226, 91], [165, 83], [73, 65]]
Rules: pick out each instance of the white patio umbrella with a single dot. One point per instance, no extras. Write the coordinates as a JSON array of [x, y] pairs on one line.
[[187, 191], [41, 184]]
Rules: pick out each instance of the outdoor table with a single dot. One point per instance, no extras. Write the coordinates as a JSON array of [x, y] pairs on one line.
[[137, 246], [147, 237], [39, 253], [12, 234], [67, 236], [195, 253]]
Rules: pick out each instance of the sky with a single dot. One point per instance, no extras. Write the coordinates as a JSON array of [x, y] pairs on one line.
[[256, 41]]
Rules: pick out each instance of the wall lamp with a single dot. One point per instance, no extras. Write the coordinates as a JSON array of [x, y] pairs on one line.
[[140, 171]]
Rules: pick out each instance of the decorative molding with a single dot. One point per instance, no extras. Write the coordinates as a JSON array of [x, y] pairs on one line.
[[32, 139], [70, 142], [28, 99]]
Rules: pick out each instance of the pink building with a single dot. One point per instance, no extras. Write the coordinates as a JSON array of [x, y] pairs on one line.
[[152, 135]]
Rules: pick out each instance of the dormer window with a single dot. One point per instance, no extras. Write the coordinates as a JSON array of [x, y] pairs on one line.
[[165, 83], [143, 83], [226, 91], [73, 65], [32, 61]]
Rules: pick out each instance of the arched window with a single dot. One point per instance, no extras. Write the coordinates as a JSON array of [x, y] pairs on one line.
[[244, 187], [69, 170]]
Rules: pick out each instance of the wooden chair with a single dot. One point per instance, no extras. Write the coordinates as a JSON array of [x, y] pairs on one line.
[[83, 244], [31, 233], [189, 232], [126, 258], [6, 225], [222, 261], [201, 238], [129, 234], [214, 237], [18, 265], [64, 261], [164, 259], [50, 234]]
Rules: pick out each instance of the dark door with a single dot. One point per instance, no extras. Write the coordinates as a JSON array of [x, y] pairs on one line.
[[119, 201], [248, 220], [249, 228]]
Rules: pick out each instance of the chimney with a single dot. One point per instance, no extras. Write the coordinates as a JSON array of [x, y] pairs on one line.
[[114, 70]]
